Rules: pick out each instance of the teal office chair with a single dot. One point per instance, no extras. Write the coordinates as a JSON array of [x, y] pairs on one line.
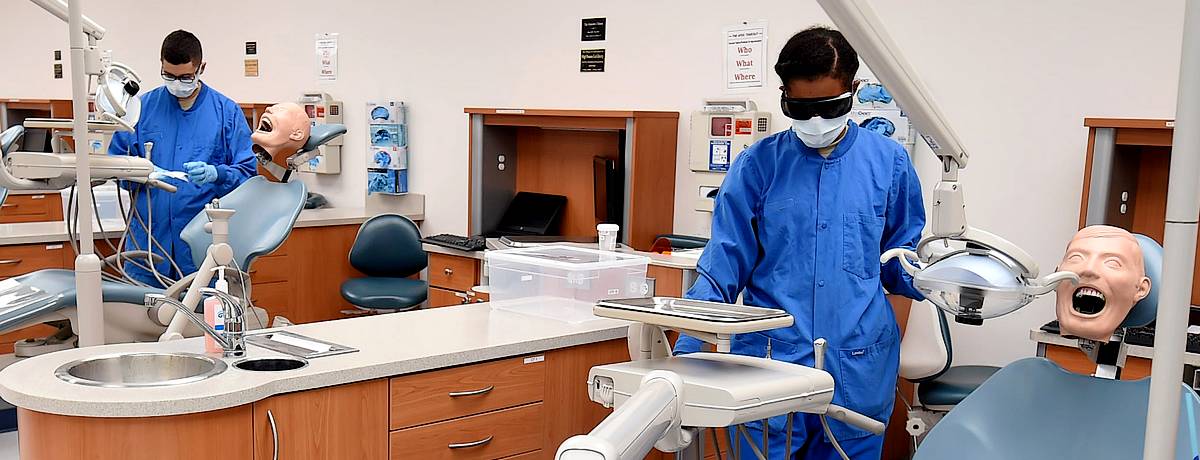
[[1033, 409], [926, 358], [388, 250]]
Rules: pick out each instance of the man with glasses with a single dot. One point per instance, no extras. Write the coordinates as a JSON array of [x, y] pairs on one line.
[[195, 130], [799, 224]]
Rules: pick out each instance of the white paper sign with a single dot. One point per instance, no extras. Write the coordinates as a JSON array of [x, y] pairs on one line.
[[327, 57], [746, 56]]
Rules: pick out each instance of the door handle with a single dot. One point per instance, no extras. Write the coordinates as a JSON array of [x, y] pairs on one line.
[[481, 391], [274, 436], [468, 445]]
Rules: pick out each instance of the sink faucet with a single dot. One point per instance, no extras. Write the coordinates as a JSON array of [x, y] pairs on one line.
[[232, 340]]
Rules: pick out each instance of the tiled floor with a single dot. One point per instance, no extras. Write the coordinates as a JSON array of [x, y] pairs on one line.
[[8, 446]]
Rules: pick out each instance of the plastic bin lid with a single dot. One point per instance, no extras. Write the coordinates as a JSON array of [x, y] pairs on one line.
[[567, 257]]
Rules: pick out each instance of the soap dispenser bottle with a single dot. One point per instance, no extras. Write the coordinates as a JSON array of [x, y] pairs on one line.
[[214, 313]]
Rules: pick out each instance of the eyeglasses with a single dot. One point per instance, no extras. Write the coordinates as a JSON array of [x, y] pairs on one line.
[[827, 108], [186, 78]]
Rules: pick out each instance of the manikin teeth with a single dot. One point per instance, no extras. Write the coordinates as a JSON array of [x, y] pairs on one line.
[[1086, 291]]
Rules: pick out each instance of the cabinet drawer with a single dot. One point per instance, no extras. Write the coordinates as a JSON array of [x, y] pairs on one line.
[[25, 258], [441, 395], [276, 297], [271, 269], [453, 273], [31, 208], [439, 297], [537, 454], [493, 435]]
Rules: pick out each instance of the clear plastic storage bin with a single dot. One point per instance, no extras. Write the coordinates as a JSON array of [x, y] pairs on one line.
[[562, 282]]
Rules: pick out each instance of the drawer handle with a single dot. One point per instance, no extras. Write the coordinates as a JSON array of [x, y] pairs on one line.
[[448, 271], [8, 205], [468, 445], [274, 436], [10, 261], [481, 391]]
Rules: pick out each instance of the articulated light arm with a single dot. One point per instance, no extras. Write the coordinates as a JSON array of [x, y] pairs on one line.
[[59, 9]]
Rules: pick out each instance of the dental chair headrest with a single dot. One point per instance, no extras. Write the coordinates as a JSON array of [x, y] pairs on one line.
[[320, 134], [8, 139], [1146, 310]]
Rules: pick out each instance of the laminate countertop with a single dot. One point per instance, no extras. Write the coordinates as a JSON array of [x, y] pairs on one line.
[[389, 345]]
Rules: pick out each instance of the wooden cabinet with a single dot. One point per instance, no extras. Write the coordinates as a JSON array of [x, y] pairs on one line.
[[451, 280], [1072, 359], [44, 207], [25, 258], [452, 272], [512, 408], [493, 435], [451, 393], [205, 436], [342, 422], [667, 281]]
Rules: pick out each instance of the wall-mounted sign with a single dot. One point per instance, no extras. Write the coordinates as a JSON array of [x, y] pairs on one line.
[[591, 60]]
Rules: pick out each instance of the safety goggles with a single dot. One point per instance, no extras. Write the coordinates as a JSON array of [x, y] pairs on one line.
[[186, 78], [827, 108]]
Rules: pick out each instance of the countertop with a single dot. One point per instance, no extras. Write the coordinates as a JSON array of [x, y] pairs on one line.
[[389, 345], [1040, 336], [56, 232], [659, 260]]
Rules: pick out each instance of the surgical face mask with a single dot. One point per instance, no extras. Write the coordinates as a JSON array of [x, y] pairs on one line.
[[180, 89], [817, 132]]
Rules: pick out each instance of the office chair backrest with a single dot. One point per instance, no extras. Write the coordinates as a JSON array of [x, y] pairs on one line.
[[1146, 310], [926, 351], [266, 213], [388, 245]]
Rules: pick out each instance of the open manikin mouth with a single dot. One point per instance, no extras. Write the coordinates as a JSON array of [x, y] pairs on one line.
[[1088, 301], [265, 125]]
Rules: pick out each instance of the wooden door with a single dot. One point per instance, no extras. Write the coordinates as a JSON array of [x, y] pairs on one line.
[[346, 421]]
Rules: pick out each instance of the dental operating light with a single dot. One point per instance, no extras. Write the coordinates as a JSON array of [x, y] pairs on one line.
[[991, 276]]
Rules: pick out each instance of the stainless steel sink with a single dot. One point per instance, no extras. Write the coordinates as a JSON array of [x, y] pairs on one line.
[[134, 370]]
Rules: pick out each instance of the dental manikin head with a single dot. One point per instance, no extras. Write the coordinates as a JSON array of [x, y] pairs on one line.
[[1112, 279], [280, 133]]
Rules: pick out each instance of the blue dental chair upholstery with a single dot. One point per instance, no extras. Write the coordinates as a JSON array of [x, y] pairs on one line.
[[8, 141], [266, 212], [1033, 409], [388, 250]]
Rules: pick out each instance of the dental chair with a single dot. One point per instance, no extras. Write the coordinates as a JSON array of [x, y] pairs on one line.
[[266, 212], [1034, 409], [926, 357]]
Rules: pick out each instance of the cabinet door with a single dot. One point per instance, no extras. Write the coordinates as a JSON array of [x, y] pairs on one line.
[[342, 422]]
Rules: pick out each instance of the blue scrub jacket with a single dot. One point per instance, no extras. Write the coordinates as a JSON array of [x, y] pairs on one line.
[[214, 131], [796, 231]]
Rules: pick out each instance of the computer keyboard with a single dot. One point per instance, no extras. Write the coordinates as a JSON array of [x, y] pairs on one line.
[[462, 243]]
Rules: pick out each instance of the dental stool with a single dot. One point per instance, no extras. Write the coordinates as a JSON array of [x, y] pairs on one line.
[[388, 250], [926, 355], [1034, 409]]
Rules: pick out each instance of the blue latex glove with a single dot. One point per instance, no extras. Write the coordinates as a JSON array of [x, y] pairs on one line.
[[874, 92], [200, 173]]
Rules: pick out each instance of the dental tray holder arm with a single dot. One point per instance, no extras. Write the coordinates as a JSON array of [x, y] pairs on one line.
[[653, 413], [219, 254]]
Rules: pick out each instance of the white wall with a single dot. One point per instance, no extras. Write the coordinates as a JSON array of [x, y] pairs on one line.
[[1017, 78]]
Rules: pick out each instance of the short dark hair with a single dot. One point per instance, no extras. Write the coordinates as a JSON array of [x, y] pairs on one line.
[[181, 47], [817, 52]]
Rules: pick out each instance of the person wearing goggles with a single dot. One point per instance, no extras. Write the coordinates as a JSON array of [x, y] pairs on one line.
[[799, 224], [196, 130]]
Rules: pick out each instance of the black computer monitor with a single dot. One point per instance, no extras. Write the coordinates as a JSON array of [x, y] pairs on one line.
[[532, 214]]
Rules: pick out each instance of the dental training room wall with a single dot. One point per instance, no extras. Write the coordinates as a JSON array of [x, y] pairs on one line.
[[1016, 78]]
